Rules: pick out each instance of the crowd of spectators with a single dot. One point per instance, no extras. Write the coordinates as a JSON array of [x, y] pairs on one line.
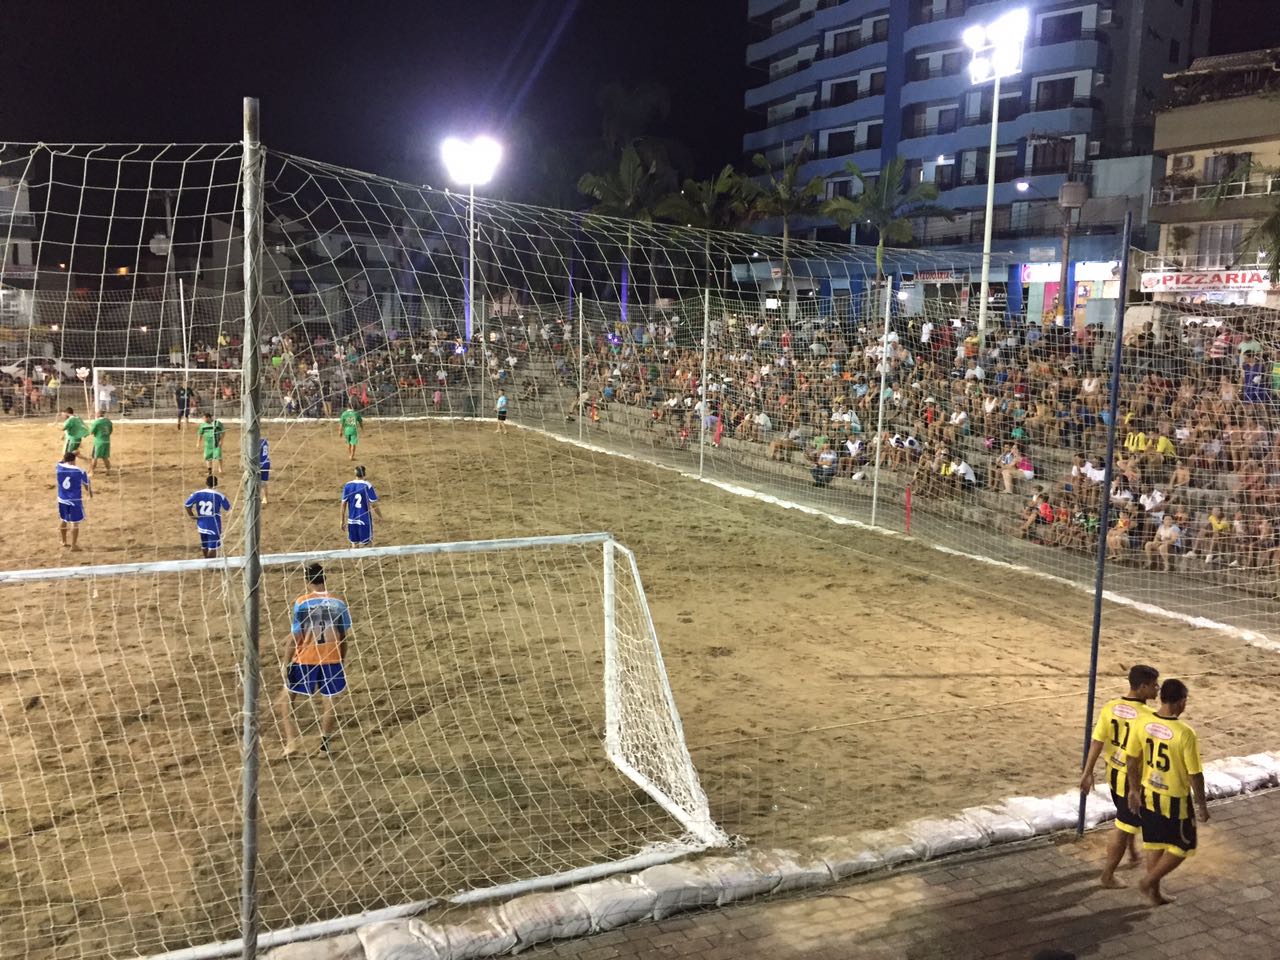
[[1018, 425]]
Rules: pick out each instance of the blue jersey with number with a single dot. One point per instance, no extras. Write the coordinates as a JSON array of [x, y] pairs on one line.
[[71, 483], [358, 495], [264, 454], [209, 506]]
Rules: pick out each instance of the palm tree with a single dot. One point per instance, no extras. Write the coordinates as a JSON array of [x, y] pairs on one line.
[[1264, 236], [888, 205], [716, 204], [782, 196], [631, 193]]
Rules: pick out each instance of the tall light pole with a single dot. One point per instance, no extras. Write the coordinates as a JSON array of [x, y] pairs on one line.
[[471, 162], [997, 53]]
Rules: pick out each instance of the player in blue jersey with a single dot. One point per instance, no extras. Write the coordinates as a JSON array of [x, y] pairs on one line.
[[72, 482], [314, 652], [264, 465], [206, 507], [359, 507]]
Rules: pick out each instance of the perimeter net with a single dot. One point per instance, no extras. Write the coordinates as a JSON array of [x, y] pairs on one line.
[[723, 355]]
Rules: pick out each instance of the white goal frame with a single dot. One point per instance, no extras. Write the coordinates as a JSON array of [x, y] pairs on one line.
[[700, 830], [185, 372]]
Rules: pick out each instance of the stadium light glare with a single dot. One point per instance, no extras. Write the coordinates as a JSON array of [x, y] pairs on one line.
[[472, 163], [1022, 186], [997, 53]]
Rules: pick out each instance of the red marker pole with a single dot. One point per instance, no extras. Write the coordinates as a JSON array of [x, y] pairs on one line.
[[908, 531]]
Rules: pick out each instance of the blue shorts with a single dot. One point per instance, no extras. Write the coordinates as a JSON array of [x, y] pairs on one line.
[[326, 679], [361, 534], [70, 512], [266, 475], [210, 541]]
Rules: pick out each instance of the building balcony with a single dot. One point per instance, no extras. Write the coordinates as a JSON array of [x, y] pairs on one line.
[[864, 108], [809, 29], [1250, 199], [814, 71]]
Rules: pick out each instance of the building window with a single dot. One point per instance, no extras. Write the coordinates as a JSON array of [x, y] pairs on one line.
[[846, 41], [846, 91], [839, 188], [948, 120], [1175, 51], [841, 142], [877, 83], [1052, 156], [944, 176], [880, 30], [1219, 242], [875, 137], [1060, 29], [1055, 94], [1220, 166]]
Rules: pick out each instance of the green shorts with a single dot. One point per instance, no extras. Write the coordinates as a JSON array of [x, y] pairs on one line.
[[213, 453], [351, 436], [73, 445], [101, 451]]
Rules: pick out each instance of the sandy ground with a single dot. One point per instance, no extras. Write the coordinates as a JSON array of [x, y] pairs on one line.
[[829, 680]]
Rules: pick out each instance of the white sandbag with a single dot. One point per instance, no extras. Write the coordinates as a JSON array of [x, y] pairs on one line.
[[344, 947], [397, 940], [1250, 775], [997, 824], [679, 886], [794, 871], [1219, 784], [742, 876], [940, 837], [485, 933], [893, 846], [1266, 761], [616, 901], [847, 856], [538, 917], [1046, 815]]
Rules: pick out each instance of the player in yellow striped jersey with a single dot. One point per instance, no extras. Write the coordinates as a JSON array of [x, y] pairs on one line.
[[1117, 725], [1165, 775]]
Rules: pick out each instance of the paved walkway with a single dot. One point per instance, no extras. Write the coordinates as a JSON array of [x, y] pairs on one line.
[[1006, 904]]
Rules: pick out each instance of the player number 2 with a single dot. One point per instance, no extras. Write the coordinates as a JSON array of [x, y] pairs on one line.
[[1157, 757], [359, 501]]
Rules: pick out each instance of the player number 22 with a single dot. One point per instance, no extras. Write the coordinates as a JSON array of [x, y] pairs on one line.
[[1157, 757], [206, 509]]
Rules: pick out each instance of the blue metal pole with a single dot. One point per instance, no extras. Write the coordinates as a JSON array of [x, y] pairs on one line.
[[1104, 511]]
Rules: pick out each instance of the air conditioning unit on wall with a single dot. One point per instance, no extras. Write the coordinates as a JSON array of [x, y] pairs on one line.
[[1182, 161], [1094, 148]]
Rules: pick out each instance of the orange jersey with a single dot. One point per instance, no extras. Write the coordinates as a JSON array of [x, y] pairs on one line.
[[320, 622]]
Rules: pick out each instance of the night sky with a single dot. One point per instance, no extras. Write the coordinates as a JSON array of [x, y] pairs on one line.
[[376, 86]]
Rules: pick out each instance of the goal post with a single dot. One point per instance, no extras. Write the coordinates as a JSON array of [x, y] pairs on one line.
[[505, 700], [150, 391]]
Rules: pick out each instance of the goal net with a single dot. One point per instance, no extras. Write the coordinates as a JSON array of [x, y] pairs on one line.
[[505, 700]]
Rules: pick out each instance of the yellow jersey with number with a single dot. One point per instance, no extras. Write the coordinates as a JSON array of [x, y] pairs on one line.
[[1170, 753], [1116, 727]]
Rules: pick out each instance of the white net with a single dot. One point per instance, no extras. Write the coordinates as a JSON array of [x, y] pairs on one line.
[[166, 392], [729, 356]]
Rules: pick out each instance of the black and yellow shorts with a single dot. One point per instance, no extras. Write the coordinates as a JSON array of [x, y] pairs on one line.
[[1126, 819], [1171, 826]]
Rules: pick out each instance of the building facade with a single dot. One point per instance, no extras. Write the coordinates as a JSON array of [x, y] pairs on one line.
[[869, 80], [1219, 130]]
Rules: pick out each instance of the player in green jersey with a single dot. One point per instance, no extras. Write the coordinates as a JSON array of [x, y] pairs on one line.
[[210, 434], [100, 429], [350, 421], [73, 431]]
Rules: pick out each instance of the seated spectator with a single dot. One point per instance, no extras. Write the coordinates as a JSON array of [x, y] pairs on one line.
[[1166, 540], [1020, 469], [1118, 536], [1039, 514], [824, 468]]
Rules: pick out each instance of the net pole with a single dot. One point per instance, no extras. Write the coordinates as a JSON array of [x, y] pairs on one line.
[[706, 392], [986, 226], [1104, 510], [611, 674], [182, 319], [884, 373], [252, 574], [577, 401]]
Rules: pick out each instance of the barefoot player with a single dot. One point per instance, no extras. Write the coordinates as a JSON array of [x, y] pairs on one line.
[[72, 482], [264, 466], [314, 652], [209, 434], [359, 507], [350, 422], [100, 429], [1165, 780], [73, 431], [206, 507], [1117, 723]]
